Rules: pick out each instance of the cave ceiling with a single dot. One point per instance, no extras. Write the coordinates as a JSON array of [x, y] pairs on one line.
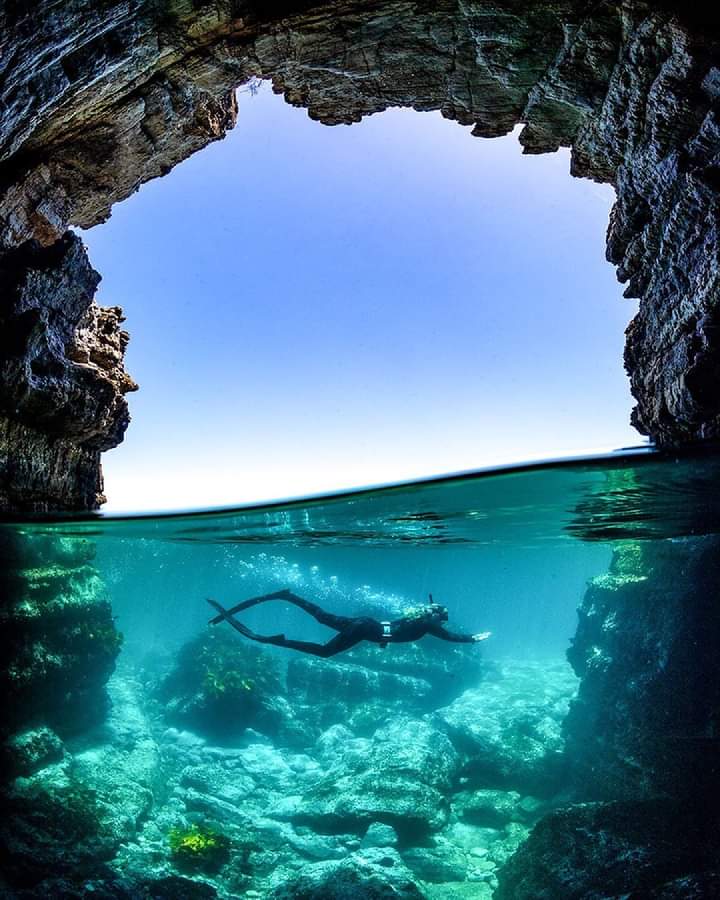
[[97, 98]]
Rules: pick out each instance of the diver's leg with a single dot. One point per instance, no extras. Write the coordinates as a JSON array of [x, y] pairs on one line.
[[246, 604], [341, 642], [339, 623], [224, 615], [338, 644]]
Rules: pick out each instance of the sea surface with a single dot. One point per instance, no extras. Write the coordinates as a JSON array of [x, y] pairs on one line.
[[246, 767], [506, 550]]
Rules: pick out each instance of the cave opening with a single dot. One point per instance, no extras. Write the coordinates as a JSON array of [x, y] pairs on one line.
[[569, 748], [351, 293]]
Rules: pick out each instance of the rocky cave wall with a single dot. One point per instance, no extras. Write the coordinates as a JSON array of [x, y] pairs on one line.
[[99, 97], [59, 638], [641, 735]]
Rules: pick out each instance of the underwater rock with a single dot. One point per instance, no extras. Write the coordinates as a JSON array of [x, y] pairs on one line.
[[459, 890], [509, 731], [629, 849], [372, 686], [121, 763], [60, 641], [439, 863], [366, 875], [175, 887], [691, 887], [51, 827], [401, 780], [338, 741], [447, 669], [312, 681], [71, 816], [486, 849], [104, 884], [513, 836], [220, 686], [488, 808], [645, 717], [29, 751], [333, 693], [60, 645], [379, 835]]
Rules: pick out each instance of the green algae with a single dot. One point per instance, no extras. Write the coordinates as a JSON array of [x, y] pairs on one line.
[[198, 848]]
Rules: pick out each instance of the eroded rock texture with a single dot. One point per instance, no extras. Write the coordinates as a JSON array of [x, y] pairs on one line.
[[645, 721], [635, 850], [641, 736], [62, 382], [59, 639], [100, 97]]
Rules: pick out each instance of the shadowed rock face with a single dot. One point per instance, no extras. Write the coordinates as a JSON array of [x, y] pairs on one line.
[[641, 735], [62, 382], [100, 97], [645, 719]]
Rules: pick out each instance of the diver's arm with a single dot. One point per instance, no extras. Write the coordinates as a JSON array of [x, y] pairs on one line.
[[445, 635]]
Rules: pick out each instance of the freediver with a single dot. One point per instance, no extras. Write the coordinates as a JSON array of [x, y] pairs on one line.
[[414, 625]]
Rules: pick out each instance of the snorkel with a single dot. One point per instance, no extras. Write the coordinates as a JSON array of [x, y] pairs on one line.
[[437, 611]]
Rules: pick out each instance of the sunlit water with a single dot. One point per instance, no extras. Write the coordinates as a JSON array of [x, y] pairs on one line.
[[510, 552], [506, 551]]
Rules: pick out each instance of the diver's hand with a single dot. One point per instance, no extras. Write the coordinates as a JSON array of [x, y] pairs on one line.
[[482, 636]]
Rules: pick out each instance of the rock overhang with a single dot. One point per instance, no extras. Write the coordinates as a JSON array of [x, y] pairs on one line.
[[98, 99]]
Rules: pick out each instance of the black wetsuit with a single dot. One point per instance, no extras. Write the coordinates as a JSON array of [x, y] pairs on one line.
[[351, 630]]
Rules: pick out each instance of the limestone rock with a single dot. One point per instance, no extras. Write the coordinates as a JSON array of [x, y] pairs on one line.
[[60, 639], [28, 751], [99, 98], [379, 835], [488, 808], [62, 381], [439, 863], [444, 670], [366, 875], [646, 653], [401, 781], [624, 848], [221, 686], [509, 731]]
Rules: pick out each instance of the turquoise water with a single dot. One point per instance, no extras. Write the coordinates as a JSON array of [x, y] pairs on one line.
[[247, 768]]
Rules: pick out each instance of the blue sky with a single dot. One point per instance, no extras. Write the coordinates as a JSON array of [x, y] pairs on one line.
[[315, 308]]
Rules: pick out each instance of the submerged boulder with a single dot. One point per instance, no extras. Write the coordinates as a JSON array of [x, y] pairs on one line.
[[336, 693], [379, 835], [489, 808], [371, 874], [29, 751], [220, 686], [437, 864], [509, 731], [51, 827], [401, 777], [599, 850], [448, 669]]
